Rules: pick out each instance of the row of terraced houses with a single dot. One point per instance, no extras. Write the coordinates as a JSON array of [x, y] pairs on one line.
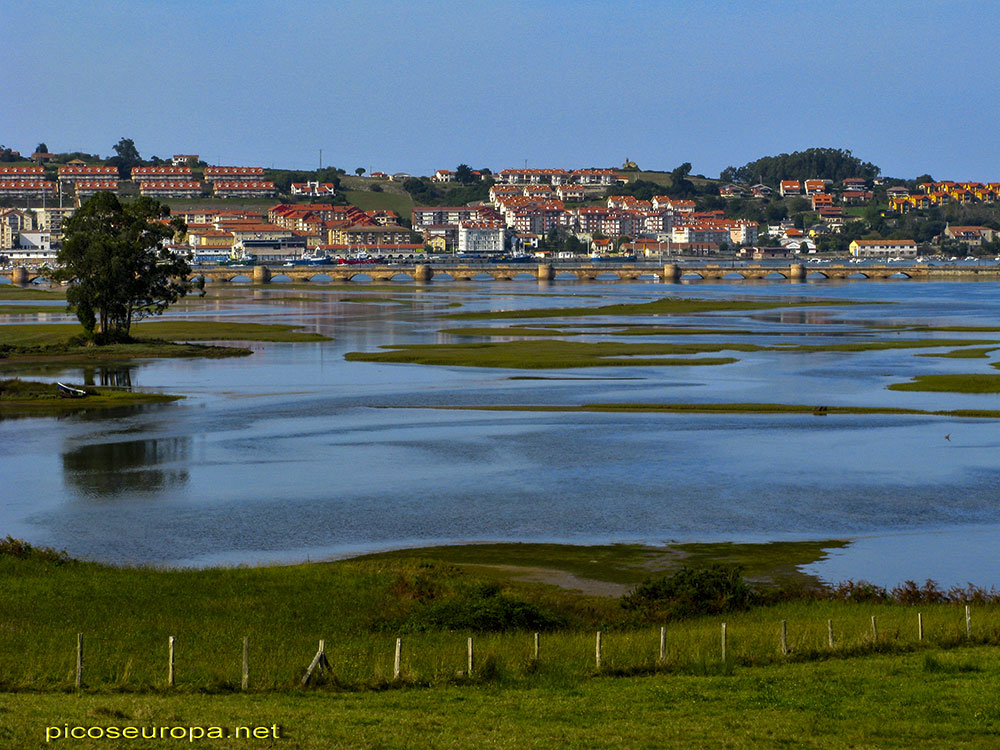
[[157, 182]]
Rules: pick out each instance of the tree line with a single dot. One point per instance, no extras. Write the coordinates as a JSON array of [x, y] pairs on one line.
[[815, 163]]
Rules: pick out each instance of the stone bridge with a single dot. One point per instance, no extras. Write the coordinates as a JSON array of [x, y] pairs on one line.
[[670, 272]]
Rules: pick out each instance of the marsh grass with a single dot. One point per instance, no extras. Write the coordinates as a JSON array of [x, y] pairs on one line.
[[547, 354], [955, 383], [24, 398], [665, 306], [555, 353]]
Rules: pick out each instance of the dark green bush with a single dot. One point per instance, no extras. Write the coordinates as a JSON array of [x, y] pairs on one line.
[[482, 607], [22, 550], [691, 591]]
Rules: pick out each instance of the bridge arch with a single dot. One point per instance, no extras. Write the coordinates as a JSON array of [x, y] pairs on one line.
[[858, 275], [733, 276], [816, 275], [774, 276]]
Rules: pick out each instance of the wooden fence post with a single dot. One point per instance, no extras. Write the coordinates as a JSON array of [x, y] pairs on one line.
[[663, 644], [597, 651], [968, 622], [319, 661], [470, 656], [246, 662], [79, 660], [784, 637], [920, 626], [874, 628], [170, 661], [723, 642], [536, 647], [829, 632], [397, 661]]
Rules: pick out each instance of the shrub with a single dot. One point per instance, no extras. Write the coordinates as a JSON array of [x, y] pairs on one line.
[[691, 591], [482, 607], [22, 550]]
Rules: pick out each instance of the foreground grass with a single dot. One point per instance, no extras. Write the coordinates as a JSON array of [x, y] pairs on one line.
[[30, 398], [934, 699], [360, 607]]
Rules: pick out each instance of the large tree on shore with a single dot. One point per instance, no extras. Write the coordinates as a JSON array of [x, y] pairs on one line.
[[113, 254]]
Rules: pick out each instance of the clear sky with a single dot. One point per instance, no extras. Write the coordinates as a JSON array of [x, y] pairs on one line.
[[418, 86]]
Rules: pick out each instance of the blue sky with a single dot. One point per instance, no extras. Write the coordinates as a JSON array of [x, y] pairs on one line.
[[418, 86]]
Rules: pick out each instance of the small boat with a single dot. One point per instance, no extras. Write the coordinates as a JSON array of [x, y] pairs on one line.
[[68, 391]]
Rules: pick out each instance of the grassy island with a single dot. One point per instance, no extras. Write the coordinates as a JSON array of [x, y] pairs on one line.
[[32, 398], [62, 343]]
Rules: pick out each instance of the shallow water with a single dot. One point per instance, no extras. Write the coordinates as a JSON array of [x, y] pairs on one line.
[[296, 454]]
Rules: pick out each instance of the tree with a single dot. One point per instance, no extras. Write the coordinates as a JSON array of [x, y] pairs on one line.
[[463, 174], [127, 156], [680, 185], [114, 255], [360, 171], [126, 150], [41, 148]]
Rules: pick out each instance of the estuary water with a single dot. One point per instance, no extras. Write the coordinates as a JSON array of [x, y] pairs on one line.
[[295, 454]]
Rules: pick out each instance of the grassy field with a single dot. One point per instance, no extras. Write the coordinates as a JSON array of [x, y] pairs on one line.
[[367, 200], [874, 686], [931, 699]]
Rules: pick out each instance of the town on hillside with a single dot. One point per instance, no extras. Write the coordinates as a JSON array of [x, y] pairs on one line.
[[245, 214]]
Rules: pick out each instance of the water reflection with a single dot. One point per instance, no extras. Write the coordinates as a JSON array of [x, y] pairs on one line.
[[119, 376], [107, 470]]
